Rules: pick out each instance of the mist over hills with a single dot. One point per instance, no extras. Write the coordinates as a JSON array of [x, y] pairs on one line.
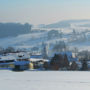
[[76, 34], [65, 24], [13, 29]]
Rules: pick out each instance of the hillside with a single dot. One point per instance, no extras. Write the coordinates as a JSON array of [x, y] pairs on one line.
[[73, 36], [64, 24]]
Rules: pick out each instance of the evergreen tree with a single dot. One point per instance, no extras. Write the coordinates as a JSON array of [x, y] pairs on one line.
[[56, 62], [65, 62], [46, 65], [84, 65]]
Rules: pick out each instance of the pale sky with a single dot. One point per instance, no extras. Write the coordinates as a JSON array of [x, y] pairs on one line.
[[43, 11]]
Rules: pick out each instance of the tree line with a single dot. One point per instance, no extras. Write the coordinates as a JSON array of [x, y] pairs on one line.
[[13, 29]]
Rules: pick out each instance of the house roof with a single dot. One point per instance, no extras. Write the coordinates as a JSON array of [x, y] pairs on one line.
[[9, 57], [38, 59], [36, 56], [15, 56]]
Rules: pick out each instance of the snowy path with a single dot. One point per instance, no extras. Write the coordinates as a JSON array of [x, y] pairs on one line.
[[44, 80]]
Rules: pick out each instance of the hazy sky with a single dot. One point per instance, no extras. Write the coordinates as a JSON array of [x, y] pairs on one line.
[[43, 11]]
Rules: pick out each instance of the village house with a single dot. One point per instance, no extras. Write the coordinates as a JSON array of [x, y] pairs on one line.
[[38, 61], [23, 61], [7, 62], [15, 61]]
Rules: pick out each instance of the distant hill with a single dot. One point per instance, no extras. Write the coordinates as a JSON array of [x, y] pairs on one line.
[[85, 25], [13, 29], [63, 24]]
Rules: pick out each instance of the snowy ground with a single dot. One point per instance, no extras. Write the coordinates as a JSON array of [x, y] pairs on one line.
[[44, 80]]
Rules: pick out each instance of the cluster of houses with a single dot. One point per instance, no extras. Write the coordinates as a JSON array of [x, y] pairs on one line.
[[19, 61], [15, 61]]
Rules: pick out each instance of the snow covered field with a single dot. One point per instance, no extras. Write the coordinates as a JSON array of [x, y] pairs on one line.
[[44, 80]]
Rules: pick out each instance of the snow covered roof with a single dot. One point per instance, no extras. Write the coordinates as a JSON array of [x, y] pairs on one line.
[[9, 57], [22, 55], [36, 56], [37, 59], [67, 53], [22, 62], [15, 56]]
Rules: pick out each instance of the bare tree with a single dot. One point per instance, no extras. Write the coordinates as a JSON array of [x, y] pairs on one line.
[[1, 50], [60, 46]]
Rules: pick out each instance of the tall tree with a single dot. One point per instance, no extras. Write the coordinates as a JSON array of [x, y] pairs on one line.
[[65, 61], [84, 65]]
